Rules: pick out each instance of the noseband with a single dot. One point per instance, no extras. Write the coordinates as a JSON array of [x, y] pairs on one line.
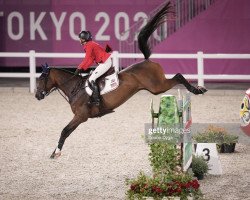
[[45, 76]]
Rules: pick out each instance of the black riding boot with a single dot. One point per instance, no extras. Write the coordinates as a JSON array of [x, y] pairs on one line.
[[95, 96]]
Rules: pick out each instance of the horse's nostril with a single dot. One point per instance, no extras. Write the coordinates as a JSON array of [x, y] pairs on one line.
[[39, 96]]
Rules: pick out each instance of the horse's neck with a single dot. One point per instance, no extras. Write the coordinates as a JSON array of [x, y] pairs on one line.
[[63, 81]]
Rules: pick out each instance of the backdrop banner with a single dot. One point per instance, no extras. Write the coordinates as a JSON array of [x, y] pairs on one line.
[[53, 26]]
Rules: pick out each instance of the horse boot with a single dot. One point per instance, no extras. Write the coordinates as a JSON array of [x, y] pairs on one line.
[[95, 96]]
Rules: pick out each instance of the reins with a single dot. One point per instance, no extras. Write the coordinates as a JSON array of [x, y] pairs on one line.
[[59, 90], [63, 95]]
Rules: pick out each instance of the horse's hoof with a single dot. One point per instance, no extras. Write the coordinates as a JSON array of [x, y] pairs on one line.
[[52, 156], [202, 89], [57, 153]]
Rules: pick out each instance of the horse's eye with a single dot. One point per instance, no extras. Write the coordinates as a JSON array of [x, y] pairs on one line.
[[43, 76]]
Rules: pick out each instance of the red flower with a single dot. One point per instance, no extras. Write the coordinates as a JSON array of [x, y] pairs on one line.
[[195, 184], [170, 190], [178, 190], [134, 187], [177, 183], [187, 185], [158, 190], [154, 187]]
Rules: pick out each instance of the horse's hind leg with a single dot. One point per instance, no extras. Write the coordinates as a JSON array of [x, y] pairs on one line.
[[74, 123], [195, 90], [162, 85]]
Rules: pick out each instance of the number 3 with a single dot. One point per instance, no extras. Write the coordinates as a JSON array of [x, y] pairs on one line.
[[207, 151]]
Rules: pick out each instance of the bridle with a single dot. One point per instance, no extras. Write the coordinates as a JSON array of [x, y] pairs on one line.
[[45, 77], [45, 92]]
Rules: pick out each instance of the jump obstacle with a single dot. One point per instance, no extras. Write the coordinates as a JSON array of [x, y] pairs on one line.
[[175, 113]]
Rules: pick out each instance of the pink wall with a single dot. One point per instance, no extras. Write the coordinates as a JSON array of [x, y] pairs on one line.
[[52, 26], [223, 28]]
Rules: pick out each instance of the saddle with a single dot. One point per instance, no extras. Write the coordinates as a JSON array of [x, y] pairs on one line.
[[108, 82], [101, 80]]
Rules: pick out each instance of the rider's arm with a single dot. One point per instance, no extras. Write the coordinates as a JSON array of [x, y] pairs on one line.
[[88, 60]]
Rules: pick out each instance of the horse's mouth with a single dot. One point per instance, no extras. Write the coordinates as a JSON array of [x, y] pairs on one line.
[[39, 96]]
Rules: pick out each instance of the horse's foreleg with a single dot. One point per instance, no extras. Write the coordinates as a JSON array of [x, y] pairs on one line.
[[181, 80], [74, 123]]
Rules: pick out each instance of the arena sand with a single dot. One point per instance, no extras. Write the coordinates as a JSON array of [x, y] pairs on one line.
[[103, 152]]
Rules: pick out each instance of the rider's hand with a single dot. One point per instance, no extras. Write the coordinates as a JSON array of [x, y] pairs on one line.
[[78, 71]]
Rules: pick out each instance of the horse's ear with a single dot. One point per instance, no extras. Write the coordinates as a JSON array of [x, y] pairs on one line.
[[108, 49], [45, 68]]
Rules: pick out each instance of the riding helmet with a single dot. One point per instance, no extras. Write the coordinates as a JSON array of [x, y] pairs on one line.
[[85, 35]]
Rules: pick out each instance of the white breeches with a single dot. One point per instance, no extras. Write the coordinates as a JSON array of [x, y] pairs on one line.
[[101, 69]]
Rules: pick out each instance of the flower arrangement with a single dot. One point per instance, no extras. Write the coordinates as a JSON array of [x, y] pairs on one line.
[[218, 135], [199, 167], [173, 185], [164, 158], [212, 134], [168, 180]]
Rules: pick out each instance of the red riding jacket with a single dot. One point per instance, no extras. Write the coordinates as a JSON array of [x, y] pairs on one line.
[[94, 53]]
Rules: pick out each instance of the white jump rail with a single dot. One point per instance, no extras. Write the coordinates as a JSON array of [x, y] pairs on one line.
[[200, 56]]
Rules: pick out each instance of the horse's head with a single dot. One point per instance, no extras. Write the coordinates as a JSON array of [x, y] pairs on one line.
[[45, 83]]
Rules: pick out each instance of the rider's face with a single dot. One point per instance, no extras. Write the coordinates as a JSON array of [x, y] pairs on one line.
[[82, 41]]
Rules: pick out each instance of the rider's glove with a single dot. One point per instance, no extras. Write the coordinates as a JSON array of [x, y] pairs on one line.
[[78, 71]]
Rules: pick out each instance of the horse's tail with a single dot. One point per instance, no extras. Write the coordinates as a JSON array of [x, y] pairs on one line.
[[150, 27]]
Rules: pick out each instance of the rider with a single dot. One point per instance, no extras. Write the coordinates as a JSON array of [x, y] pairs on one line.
[[94, 53]]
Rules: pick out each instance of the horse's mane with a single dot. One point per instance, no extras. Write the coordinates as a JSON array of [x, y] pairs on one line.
[[79, 84], [72, 73], [65, 70], [150, 27]]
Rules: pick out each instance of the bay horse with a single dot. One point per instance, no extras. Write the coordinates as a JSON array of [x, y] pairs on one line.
[[145, 75]]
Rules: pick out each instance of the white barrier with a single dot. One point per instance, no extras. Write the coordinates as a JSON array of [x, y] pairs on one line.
[[200, 76]]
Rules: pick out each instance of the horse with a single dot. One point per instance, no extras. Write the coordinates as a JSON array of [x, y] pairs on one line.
[[144, 75]]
